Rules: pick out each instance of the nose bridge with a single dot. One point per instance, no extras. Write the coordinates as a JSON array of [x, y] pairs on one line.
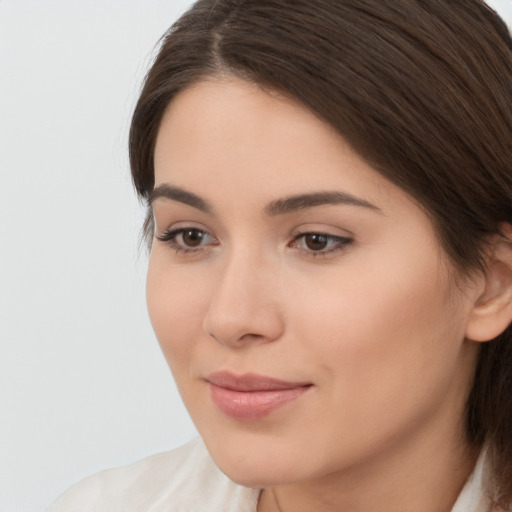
[[244, 304]]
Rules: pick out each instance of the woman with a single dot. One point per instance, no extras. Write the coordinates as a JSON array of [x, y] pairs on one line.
[[329, 195]]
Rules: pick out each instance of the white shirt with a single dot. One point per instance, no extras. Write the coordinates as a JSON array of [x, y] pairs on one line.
[[187, 480]]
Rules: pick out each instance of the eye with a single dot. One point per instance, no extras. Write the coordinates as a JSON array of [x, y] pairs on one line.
[[320, 244], [187, 239]]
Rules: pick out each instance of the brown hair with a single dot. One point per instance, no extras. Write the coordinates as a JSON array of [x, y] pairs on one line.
[[422, 89]]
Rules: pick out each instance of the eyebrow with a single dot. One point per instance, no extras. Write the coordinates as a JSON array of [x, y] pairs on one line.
[[181, 196], [303, 201], [278, 207]]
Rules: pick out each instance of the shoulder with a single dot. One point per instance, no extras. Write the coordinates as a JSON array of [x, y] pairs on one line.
[[182, 480]]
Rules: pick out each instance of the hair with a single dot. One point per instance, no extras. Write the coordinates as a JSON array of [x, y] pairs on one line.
[[421, 89]]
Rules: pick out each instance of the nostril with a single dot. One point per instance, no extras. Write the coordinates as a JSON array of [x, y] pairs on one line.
[[236, 340], [214, 337], [251, 337]]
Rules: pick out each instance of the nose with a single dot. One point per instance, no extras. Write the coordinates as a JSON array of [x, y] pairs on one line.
[[244, 307]]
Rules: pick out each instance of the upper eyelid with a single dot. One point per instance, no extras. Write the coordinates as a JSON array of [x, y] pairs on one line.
[[178, 230], [319, 229], [343, 238], [180, 225], [322, 232]]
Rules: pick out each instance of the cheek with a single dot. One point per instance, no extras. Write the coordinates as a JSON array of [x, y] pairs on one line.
[[382, 337], [174, 306]]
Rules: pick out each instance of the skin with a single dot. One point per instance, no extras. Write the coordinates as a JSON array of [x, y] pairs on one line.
[[373, 321]]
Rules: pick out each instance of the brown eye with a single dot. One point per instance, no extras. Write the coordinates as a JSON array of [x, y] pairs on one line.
[[187, 239], [321, 244], [316, 242], [192, 237]]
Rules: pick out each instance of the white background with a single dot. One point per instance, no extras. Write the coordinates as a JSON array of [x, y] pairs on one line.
[[83, 385]]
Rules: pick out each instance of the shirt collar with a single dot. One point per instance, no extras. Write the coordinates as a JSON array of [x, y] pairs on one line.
[[473, 497]]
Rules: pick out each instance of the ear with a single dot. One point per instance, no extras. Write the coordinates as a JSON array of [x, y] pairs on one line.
[[492, 310]]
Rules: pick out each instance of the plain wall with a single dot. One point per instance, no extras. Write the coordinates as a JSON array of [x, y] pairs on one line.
[[83, 385]]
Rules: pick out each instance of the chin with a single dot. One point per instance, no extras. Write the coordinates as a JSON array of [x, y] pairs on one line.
[[256, 478], [257, 467]]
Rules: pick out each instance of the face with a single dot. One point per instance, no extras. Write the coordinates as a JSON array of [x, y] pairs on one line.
[[302, 301]]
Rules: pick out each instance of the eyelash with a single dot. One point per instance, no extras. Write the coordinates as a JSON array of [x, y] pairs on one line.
[[341, 243], [169, 237]]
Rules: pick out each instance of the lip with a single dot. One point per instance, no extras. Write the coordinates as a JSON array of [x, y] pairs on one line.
[[251, 396]]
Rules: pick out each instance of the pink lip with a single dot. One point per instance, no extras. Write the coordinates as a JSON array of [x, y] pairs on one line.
[[250, 396]]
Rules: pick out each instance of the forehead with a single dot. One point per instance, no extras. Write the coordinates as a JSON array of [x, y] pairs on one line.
[[227, 138], [217, 114]]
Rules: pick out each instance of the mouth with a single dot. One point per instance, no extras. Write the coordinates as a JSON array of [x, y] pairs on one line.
[[251, 396]]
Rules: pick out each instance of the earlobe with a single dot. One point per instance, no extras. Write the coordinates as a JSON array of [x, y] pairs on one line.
[[492, 310]]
